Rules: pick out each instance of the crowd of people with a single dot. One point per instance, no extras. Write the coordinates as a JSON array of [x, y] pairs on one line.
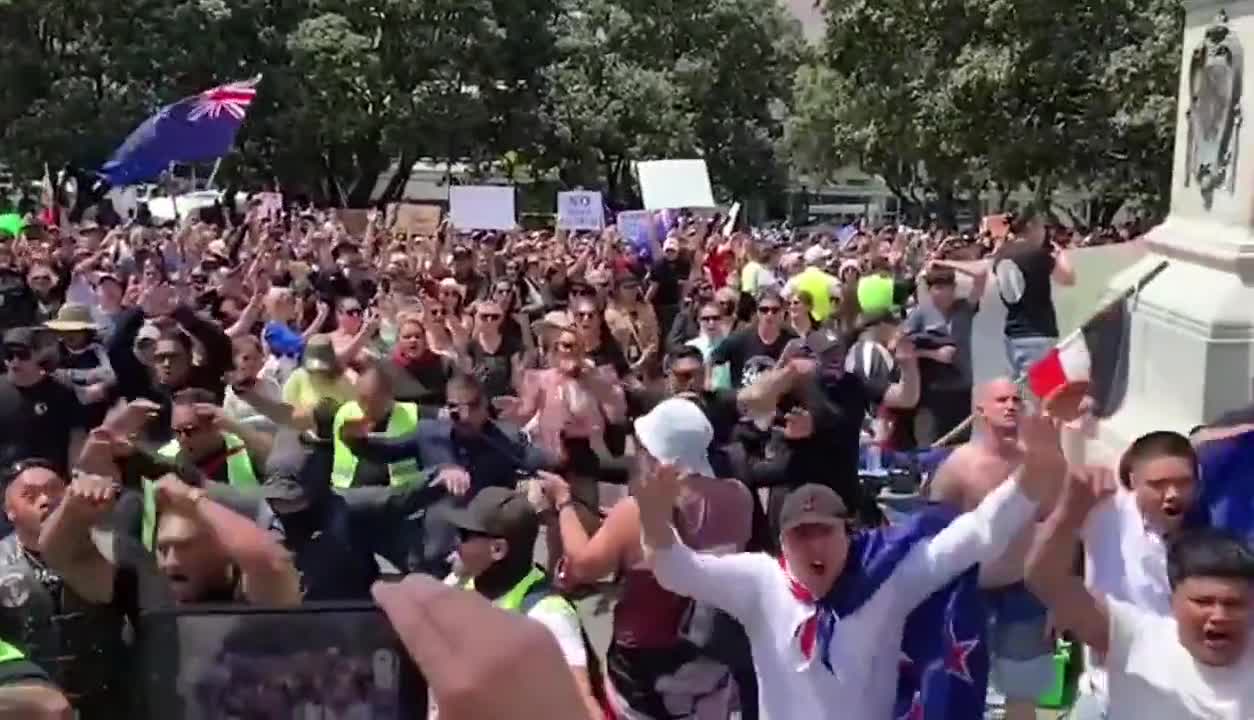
[[276, 412]]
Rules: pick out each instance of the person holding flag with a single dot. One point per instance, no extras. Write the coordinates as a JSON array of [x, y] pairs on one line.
[[843, 620]]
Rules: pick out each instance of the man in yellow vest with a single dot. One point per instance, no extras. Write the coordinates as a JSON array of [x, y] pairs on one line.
[[205, 438], [495, 557], [375, 404], [824, 288], [26, 693]]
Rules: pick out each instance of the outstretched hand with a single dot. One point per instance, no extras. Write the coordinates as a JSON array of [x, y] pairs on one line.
[[469, 652]]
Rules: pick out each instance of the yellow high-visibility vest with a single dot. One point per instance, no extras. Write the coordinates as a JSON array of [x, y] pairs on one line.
[[402, 422], [239, 473]]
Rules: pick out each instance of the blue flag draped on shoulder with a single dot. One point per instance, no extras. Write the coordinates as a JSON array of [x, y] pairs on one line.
[[1226, 501], [943, 671], [195, 129]]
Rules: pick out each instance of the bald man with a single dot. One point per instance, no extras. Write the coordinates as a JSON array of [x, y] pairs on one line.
[[1019, 637]]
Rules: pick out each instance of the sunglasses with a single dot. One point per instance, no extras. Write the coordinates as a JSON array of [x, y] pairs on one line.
[[167, 357], [584, 291], [567, 346], [437, 313], [353, 311], [585, 315], [17, 352], [491, 317], [768, 309], [684, 375]]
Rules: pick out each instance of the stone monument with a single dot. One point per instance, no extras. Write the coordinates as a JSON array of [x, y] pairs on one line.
[[1191, 336]]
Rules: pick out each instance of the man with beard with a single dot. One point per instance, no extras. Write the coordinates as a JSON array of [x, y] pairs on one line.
[[78, 642], [468, 451], [1020, 646], [827, 621], [174, 366]]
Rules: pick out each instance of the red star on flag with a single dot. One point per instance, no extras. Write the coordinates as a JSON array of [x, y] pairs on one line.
[[915, 711], [957, 654]]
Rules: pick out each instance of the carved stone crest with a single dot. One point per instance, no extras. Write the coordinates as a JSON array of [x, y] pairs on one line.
[[1215, 79]]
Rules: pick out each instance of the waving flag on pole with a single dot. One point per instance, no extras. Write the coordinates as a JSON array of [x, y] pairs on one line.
[[195, 129]]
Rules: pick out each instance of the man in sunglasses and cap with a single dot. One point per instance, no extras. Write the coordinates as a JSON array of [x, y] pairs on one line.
[[495, 557], [39, 415]]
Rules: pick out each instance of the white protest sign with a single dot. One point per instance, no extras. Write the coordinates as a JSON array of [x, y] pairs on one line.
[[635, 224], [579, 210], [674, 184], [482, 207], [734, 214]]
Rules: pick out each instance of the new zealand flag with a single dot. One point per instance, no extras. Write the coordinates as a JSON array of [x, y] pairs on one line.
[[944, 659], [195, 129]]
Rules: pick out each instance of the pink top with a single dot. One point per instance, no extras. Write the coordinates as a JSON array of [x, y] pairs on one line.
[[567, 408]]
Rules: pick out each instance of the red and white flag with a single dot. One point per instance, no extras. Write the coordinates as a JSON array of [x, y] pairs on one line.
[[1068, 366]]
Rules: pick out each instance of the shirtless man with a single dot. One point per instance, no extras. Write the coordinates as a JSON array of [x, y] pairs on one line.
[[1020, 645]]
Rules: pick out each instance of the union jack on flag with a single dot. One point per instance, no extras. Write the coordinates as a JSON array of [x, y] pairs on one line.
[[198, 128], [233, 98]]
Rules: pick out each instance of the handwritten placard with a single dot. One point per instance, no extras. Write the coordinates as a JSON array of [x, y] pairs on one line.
[[579, 210], [482, 207], [416, 218]]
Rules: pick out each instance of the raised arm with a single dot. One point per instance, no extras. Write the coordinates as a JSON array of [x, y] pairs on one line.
[[269, 576], [217, 346], [678, 568], [65, 541], [1051, 561]]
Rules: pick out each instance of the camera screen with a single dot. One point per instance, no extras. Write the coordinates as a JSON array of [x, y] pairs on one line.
[[303, 664]]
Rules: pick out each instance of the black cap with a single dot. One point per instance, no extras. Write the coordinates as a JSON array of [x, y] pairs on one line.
[[498, 512], [812, 504], [27, 337], [821, 342]]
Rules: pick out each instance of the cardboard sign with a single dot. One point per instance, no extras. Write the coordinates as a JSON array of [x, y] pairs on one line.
[[415, 219], [579, 210], [355, 220], [669, 184], [482, 207]]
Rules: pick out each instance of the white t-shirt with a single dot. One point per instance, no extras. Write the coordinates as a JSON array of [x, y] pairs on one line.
[[1152, 676], [1126, 561]]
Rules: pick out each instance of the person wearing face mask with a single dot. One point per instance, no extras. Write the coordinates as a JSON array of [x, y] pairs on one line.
[[827, 620], [1126, 539], [1192, 662]]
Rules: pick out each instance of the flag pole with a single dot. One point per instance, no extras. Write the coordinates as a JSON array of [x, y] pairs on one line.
[[209, 183], [174, 198], [1114, 300]]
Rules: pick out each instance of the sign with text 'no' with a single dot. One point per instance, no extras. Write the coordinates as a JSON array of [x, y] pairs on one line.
[[579, 210]]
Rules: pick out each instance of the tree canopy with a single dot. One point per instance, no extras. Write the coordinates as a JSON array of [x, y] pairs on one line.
[[352, 88], [944, 98]]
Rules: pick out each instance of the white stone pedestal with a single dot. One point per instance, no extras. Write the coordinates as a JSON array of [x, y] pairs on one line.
[[1192, 336]]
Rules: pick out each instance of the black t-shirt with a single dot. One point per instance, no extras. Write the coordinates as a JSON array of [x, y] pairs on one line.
[[838, 409], [608, 352], [669, 276], [36, 421], [495, 369], [422, 382], [1023, 277], [747, 356], [17, 303]]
